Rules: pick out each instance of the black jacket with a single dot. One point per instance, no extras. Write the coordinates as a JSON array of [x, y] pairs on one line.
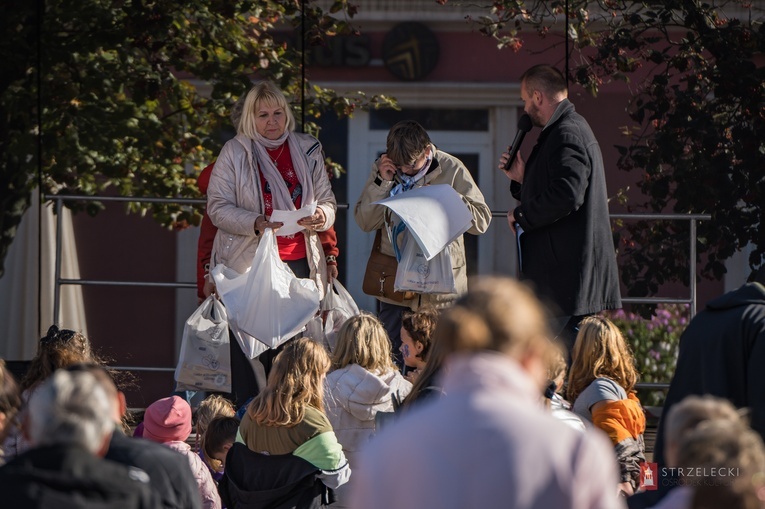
[[66, 477], [567, 248], [722, 353], [258, 481], [169, 472]]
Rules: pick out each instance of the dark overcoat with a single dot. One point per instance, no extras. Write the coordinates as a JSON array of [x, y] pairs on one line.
[[567, 249]]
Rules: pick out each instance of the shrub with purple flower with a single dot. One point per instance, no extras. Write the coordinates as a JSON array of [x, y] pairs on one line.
[[654, 344]]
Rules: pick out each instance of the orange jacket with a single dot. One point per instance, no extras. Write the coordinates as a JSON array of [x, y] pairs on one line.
[[621, 419], [624, 423]]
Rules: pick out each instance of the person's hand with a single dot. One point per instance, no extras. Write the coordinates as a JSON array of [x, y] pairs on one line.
[[412, 375], [516, 170], [315, 221], [386, 167], [626, 487], [511, 219], [332, 272], [262, 223], [209, 287]]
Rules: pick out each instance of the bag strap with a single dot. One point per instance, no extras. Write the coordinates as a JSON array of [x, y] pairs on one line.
[[378, 236], [259, 370], [378, 241]]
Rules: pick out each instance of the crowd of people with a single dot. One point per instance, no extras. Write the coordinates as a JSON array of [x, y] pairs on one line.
[[503, 393], [495, 428]]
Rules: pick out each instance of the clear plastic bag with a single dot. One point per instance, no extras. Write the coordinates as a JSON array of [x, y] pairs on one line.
[[204, 362], [415, 273], [338, 306]]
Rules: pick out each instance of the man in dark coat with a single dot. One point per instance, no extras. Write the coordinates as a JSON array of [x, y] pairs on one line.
[[69, 424], [721, 353], [566, 246], [169, 473]]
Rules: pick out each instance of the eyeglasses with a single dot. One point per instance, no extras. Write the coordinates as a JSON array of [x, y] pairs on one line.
[[55, 334], [412, 168]]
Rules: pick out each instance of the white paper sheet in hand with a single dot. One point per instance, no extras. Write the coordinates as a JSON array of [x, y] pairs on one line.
[[290, 219], [435, 215]]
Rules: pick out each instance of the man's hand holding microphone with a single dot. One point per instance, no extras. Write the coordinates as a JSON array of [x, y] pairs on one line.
[[512, 163]]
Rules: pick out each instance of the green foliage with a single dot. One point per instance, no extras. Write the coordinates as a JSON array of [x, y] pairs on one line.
[[654, 343], [130, 97], [697, 142]]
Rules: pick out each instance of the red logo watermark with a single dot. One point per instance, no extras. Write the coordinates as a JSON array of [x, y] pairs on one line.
[[649, 476]]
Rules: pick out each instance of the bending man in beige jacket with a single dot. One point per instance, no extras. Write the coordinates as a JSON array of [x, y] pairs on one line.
[[413, 161]]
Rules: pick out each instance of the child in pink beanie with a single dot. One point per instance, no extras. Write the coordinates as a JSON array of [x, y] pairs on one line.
[[168, 422]]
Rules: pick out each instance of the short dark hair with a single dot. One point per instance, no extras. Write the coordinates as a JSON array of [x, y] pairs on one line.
[[546, 79], [420, 325], [407, 140], [221, 431]]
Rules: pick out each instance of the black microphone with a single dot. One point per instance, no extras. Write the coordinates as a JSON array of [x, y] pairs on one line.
[[524, 126]]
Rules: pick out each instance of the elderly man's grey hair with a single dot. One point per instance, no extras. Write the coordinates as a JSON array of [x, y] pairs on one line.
[[71, 408]]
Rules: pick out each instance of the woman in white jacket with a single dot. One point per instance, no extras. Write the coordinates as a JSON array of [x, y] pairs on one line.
[[268, 167], [364, 381]]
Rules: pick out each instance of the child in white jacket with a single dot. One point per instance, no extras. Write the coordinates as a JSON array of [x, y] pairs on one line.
[[364, 381]]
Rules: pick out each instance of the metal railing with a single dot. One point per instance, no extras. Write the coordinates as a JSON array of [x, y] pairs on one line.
[[59, 281], [691, 300]]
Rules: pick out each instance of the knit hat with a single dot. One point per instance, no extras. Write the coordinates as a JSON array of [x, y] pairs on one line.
[[167, 420]]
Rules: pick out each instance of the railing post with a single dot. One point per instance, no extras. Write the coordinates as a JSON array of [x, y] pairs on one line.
[[692, 281], [57, 263]]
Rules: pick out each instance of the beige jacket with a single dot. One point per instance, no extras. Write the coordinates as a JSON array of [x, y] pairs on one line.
[[235, 200], [445, 169]]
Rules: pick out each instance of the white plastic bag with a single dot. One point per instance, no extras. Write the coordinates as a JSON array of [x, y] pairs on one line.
[[230, 285], [314, 329], [267, 302], [415, 273], [339, 306], [205, 360], [249, 345]]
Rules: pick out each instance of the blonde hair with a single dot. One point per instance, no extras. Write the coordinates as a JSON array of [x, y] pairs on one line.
[[362, 340], [556, 368], [722, 444], [600, 351], [695, 410], [211, 407], [725, 446], [264, 92], [295, 382]]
